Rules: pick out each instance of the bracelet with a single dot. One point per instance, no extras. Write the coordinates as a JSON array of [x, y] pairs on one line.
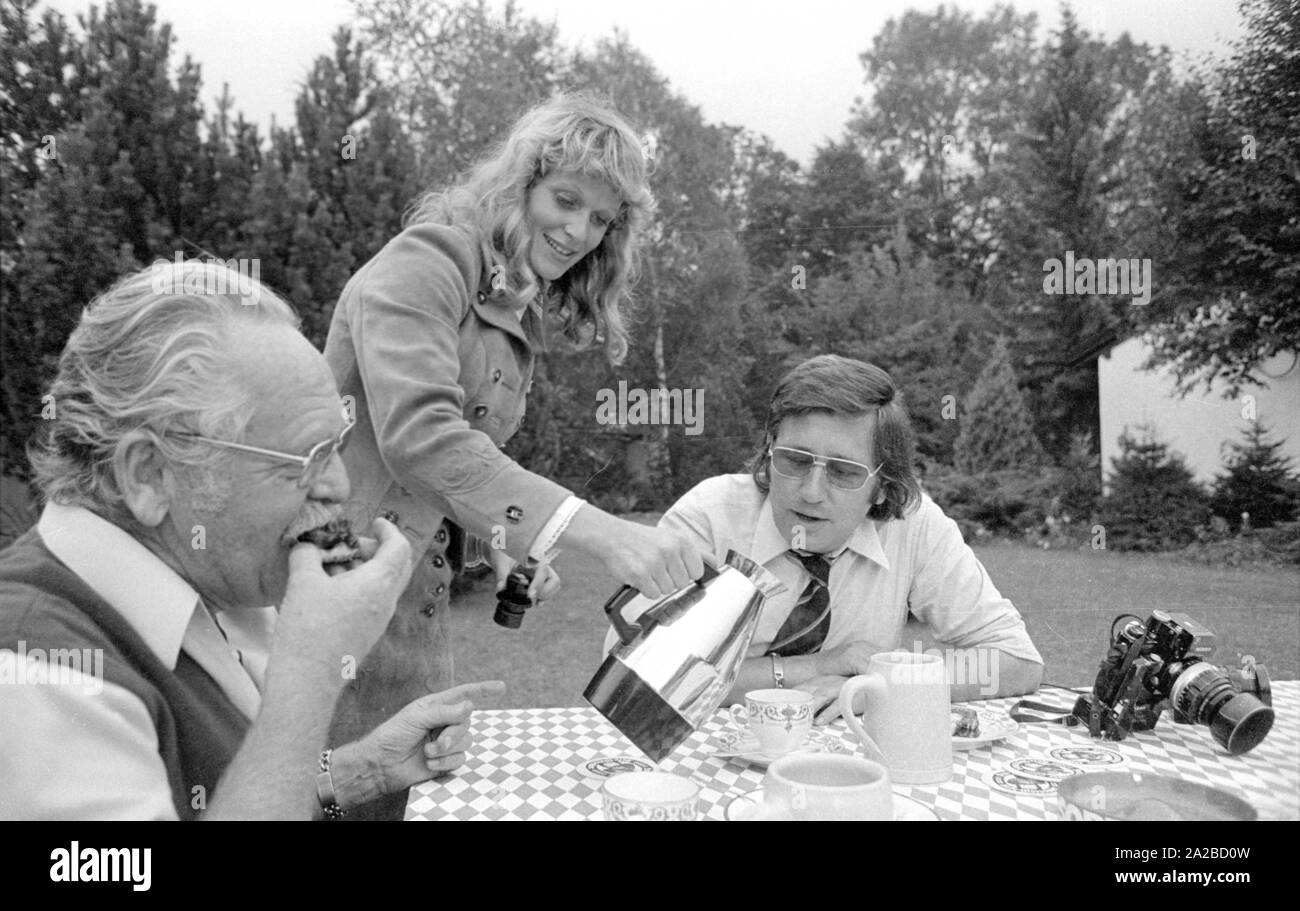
[[778, 671], [325, 789]]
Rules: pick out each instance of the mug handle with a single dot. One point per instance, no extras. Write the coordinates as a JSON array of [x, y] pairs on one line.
[[874, 685]]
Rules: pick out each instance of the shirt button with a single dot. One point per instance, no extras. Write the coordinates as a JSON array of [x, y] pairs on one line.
[[441, 535], [429, 608], [438, 561], [440, 589], [496, 375], [514, 514], [480, 410]]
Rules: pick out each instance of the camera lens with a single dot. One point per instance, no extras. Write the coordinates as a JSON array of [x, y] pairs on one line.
[[1204, 695], [509, 615], [513, 600]]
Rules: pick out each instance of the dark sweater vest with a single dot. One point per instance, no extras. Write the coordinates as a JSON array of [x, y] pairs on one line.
[[46, 605]]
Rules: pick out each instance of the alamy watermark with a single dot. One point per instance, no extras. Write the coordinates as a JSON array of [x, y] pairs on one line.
[[75, 864], [82, 667], [1123, 277], [242, 277], [652, 406], [962, 667]]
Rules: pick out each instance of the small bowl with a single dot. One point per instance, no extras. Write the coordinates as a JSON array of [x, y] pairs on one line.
[[1145, 796]]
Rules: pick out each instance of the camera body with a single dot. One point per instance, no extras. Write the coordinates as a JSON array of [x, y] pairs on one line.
[[1162, 664]]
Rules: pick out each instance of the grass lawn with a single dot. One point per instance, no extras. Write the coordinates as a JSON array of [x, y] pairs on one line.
[[1068, 599]]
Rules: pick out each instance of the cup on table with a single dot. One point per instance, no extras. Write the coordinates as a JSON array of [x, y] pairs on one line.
[[650, 796], [805, 786], [906, 723], [780, 720]]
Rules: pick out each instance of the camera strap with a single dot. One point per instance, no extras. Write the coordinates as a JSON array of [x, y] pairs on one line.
[[1031, 712]]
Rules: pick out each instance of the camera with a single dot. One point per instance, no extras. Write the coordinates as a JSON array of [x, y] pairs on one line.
[[513, 600], [1161, 664]]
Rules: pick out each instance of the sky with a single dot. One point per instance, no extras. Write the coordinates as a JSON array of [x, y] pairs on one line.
[[786, 68]]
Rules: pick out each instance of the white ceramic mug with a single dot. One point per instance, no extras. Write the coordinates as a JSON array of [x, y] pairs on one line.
[[806, 786], [780, 720], [906, 723], [650, 796]]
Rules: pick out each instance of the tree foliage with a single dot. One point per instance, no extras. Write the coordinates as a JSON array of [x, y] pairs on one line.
[[1154, 502], [996, 430], [1233, 197], [1259, 482], [912, 240]]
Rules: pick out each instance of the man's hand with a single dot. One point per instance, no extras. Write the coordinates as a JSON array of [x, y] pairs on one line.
[[428, 737], [826, 694], [326, 618]]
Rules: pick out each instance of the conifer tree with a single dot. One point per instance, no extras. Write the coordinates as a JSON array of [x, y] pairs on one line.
[[1154, 502], [996, 430], [1259, 481]]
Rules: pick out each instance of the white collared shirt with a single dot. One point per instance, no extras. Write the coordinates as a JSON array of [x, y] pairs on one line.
[[86, 749], [918, 564]]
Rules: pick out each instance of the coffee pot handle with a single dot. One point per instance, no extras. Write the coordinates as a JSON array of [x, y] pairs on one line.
[[627, 631], [874, 686]]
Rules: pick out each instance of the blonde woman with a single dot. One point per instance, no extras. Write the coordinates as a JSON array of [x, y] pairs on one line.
[[435, 340]]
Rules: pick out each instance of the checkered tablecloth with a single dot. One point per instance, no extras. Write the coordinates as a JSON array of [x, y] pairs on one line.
[[530, 764]]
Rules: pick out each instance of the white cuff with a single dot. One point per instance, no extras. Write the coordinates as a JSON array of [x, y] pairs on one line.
[[541, 551]]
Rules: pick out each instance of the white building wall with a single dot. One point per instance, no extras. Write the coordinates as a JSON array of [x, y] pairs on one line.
[[1200, 424]]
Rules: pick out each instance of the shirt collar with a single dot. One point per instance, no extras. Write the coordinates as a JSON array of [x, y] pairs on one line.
[[150, 596], [768, 542]]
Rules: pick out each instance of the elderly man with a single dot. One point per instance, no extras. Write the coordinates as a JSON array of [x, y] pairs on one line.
[[833, 509], [194, 437]]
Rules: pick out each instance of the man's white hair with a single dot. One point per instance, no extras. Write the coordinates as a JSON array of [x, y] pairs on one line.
[[152, 353]]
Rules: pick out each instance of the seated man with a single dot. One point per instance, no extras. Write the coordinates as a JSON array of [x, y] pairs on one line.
[[834, 511], [194, 437]]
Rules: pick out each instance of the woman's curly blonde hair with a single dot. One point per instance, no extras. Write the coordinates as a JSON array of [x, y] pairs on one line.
[[571, 133]]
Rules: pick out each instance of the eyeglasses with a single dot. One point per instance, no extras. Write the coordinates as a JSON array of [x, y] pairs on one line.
[[311, 464], [842, 473]]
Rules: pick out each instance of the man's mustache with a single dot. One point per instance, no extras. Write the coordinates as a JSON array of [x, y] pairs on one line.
[[313, 515]]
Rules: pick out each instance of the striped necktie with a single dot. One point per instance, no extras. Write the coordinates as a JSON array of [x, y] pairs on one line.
[[805, 629]]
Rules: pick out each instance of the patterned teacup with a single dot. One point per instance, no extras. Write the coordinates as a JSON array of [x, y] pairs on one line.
[[780, 720], [650, 796]]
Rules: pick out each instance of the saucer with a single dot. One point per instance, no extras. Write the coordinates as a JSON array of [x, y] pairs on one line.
[[732, 744], [994, 726], [905, 808]]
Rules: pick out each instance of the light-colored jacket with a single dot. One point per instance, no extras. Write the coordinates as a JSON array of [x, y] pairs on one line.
[[437, 373]]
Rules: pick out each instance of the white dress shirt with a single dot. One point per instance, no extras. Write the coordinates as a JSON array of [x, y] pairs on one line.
[[84, 749], [918, 564]]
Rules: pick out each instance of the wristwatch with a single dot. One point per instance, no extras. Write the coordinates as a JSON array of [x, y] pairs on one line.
[[778, 671]]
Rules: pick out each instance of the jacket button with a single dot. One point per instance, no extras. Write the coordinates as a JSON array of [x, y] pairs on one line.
[[440, 589], [441, 535], [496, 375], [438, 561], [430, 607], [480, 410]]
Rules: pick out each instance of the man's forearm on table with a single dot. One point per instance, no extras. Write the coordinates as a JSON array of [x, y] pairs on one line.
[[989, 673]]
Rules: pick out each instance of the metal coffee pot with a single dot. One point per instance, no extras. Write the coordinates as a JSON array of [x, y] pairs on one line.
[[678, 660]]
